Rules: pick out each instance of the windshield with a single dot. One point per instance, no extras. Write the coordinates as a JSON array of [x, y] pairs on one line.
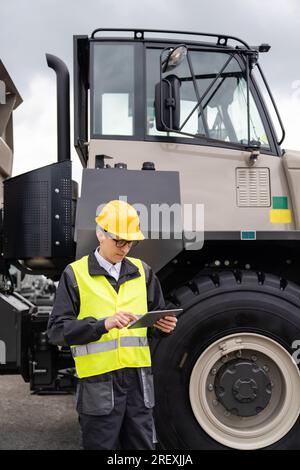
[[222, 113]]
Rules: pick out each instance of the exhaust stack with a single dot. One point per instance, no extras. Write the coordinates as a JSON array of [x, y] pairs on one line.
[[63, 106]]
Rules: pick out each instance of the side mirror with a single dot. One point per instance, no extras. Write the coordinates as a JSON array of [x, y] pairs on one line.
[[167, 104]]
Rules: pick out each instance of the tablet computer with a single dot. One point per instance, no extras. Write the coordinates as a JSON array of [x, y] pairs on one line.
[[151, 317]]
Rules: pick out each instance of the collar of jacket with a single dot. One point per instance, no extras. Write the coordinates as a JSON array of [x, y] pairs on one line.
[[128, 269]]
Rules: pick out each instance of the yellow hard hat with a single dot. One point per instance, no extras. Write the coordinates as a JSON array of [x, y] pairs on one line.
[[121, 219]]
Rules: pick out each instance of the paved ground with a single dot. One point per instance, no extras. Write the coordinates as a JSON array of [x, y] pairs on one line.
[[35, 422]]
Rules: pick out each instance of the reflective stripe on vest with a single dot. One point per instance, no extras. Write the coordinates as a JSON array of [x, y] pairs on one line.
[[118, 348], [94, 348]]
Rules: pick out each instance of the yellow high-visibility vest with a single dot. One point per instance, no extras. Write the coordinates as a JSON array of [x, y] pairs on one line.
[[117, 348]]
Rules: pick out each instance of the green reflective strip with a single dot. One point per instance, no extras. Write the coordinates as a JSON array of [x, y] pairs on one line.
[[280, 202], [128, 341], [248, 235], [94, 348]]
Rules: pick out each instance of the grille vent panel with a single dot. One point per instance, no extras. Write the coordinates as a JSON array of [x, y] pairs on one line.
[[253, 187]]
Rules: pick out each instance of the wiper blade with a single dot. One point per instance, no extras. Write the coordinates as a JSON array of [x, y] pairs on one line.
[[205, 76], [239, 145]]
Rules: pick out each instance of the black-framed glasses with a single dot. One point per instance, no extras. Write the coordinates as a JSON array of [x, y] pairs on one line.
[[122, 243]]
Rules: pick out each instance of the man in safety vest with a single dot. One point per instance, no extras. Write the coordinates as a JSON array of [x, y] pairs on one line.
[[97, 297]]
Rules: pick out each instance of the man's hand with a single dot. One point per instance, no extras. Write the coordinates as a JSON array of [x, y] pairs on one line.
[[119, 320], [166, 324]]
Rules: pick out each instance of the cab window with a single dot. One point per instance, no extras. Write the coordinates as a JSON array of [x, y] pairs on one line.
[[223, 111], [113, 89]]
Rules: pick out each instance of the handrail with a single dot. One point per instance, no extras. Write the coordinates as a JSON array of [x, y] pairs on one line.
[[139, 34]]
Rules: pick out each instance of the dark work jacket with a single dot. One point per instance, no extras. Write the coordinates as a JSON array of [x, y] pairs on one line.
[[63, 327]]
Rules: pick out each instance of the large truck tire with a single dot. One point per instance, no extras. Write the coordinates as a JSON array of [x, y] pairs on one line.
[[227, 377]]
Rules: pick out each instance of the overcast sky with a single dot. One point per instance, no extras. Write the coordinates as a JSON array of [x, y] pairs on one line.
[[30, 28]]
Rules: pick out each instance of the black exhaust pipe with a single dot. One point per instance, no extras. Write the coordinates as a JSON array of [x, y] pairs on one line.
[[63, 106]]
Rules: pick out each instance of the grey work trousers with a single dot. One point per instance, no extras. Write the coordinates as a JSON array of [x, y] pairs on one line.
[[116, 410]]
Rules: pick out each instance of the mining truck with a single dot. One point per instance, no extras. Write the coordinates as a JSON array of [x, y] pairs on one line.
[[168, 120]]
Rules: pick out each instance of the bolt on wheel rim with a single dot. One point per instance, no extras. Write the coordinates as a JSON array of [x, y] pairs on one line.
[[245, 391]]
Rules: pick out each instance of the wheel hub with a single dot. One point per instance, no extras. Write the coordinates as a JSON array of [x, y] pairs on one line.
[[243, 387], [245, 390]]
